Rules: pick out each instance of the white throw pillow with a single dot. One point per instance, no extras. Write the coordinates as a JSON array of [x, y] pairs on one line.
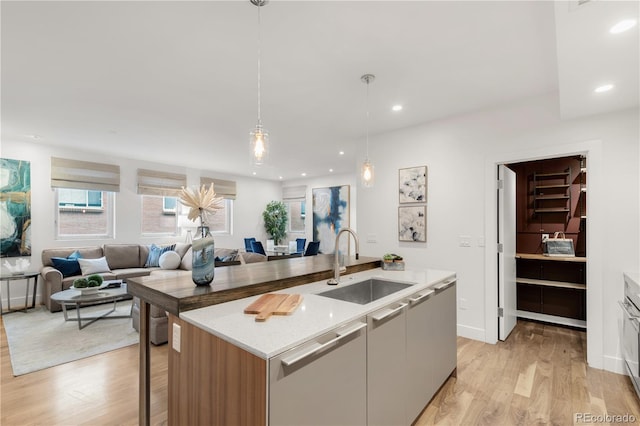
[[169, 260], [94, 266]]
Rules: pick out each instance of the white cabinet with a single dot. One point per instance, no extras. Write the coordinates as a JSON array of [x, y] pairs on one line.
[[386, 365], [444, 355], [421, 384], [323, 381], [431, 344]]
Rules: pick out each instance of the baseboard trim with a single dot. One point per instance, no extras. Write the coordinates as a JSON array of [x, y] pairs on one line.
[[472, 333], [614, 364]]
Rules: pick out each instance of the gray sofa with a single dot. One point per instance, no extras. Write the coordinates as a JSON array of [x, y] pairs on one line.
[[124, 260], [127, 261]]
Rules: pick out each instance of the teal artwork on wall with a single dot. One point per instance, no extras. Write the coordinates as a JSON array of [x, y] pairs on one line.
[[15, 208]]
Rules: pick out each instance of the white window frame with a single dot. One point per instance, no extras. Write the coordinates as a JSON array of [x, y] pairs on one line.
[[110, 212], [289, 222]]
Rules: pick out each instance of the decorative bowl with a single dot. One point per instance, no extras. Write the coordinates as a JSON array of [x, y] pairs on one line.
[[87, 290], [19, 268]]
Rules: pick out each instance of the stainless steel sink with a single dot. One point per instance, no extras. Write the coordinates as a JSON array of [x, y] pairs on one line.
[[366, 291]]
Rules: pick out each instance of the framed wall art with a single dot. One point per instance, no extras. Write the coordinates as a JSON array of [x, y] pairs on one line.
[[15, 208], [330, 214], [412, 223], [412, 185]]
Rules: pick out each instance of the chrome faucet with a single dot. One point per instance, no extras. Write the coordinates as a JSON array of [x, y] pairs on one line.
[[336, 261]]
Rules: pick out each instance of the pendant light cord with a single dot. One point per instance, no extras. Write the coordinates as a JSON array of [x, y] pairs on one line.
[[367, 120], [259, 56]]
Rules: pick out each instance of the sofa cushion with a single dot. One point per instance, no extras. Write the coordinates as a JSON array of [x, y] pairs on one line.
[[67, 266], [85, 253], [123, 274], [252, 257], [181, 249], [185, 263], [122, 255], [94, 266], [169, 260], [154, 254], [226, 255]]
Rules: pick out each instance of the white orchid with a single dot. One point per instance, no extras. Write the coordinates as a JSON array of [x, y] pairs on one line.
[[201, 202]]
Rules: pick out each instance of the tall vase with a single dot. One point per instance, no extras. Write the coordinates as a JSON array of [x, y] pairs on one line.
[[203, 261]]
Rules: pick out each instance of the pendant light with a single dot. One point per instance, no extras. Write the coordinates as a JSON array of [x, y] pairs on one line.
[[259, 137], [367, 177]]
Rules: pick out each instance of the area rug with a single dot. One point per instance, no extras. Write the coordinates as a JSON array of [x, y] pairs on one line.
[[39, 339]]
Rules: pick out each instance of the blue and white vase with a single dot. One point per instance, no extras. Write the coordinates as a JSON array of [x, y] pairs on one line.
[[203, 262]]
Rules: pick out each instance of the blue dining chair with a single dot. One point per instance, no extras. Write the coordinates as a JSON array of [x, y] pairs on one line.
[[312, 248], [300, 243], [257, 247], [247, 244]]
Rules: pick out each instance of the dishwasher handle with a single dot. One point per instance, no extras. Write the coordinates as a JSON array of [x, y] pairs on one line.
[[444, 285], [417, 299], [289, 361], [387, 313], [633, 319]]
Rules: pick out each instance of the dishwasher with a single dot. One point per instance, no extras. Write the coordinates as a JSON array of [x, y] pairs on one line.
[[322, 381]]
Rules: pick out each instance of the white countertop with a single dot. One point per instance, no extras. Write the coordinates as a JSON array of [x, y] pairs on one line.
[[315, 315]]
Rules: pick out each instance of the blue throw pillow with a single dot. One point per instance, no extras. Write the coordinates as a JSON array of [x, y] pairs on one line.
[[154, 255], [68, 266]]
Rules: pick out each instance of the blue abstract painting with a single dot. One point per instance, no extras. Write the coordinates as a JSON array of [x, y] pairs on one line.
[[330, 214], [15, 208]]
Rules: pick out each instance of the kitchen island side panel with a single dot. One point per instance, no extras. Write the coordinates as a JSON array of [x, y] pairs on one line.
[[212, 382]]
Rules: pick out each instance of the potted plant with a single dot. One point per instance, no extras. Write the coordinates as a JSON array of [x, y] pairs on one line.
[[275, 220]]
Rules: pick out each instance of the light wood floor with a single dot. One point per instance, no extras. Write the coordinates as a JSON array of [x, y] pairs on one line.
[[538, 376]]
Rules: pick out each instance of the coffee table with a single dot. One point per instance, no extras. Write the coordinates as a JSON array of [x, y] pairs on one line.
[[72, 297]]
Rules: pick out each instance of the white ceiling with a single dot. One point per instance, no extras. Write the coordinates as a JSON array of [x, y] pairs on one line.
[[176, 82]]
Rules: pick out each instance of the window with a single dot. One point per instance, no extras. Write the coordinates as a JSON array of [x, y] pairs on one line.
[[219, 223], [84, 213], [296, 215], [79, 199], [159, 215]]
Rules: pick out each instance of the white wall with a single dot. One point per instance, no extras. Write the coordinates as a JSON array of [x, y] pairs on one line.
[[252, 197], [455, 151]]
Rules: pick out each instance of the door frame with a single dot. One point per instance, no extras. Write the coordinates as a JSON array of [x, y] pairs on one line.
[[593, 151]]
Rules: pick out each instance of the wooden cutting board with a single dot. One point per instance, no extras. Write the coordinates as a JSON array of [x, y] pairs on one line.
[[273, 304]]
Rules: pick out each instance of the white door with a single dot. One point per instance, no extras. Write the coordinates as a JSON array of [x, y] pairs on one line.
[[506, 251]]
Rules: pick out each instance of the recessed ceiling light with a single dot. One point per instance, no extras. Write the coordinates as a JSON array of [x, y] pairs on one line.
[[330, 170], [254, 173], [623, 26], [341, 153], [280, 177], [303, 174], [604, 88], [34, 137], [397, 108]]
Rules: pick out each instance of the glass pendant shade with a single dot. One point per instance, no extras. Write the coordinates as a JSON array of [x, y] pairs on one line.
[[259, 140], [367, 176]]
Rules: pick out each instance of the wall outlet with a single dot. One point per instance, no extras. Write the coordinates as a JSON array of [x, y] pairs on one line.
[[545, 237], [372, 238], [176, 337]]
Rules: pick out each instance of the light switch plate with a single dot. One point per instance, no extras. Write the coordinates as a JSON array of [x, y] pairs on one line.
[[372, 238], [176, 337], [464, 240]]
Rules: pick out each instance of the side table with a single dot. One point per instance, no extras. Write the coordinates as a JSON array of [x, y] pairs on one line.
[[8, 277]]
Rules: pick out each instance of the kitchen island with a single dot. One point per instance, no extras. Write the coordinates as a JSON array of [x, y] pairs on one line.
[[330, 362], [175, 292]]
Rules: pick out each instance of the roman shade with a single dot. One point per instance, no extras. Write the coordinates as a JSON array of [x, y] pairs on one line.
[[224, 188], [152, 182], [294, 192], [76, 174]]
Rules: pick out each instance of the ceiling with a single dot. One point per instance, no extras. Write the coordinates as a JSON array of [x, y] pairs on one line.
[[176, 82]]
